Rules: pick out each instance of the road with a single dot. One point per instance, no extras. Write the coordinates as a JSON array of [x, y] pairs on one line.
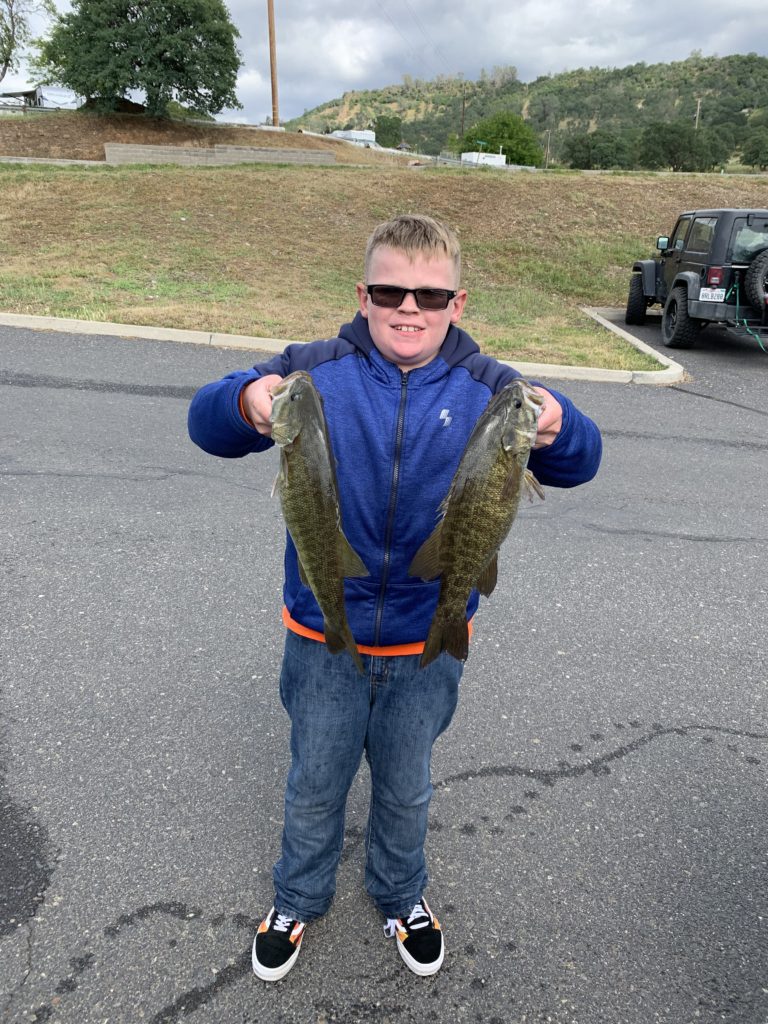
[[598, 836]]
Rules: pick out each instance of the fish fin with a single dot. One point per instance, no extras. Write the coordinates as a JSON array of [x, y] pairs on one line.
[[302, 574], [511, 489], [446, 634], [351, 563], [426, 562], [486, 584], [337, 642], [275, 486], [532, 485]]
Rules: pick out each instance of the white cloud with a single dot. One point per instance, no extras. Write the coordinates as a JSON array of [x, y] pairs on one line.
[[322, 51]]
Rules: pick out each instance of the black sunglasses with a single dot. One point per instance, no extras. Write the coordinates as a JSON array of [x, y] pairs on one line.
[[391, 297]]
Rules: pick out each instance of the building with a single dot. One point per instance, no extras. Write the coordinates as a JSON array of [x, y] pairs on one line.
[[489, 159], [362, 137]]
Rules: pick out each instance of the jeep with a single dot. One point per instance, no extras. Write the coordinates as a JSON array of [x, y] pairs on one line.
[[712, 269]]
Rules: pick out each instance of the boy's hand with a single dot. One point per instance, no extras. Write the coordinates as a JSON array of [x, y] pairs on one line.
[[550, 419], [256, 402]]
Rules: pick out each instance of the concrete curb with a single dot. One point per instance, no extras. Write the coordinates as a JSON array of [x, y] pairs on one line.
[[672, 372]]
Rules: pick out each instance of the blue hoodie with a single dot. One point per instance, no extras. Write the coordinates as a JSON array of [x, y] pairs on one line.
[[397, 439]]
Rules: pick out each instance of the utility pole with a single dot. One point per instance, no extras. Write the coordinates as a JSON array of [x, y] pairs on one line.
[[273, 61], [546, 157], [698, 112], [463, 106]]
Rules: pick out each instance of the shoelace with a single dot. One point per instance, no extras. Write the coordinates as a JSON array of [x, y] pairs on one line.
[[282, 923], [418, 911]]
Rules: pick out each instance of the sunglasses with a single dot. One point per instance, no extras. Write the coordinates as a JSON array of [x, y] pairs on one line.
[[391, 297]]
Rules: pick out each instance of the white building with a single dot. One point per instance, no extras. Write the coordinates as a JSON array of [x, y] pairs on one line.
[[489, 159], [362, 137]]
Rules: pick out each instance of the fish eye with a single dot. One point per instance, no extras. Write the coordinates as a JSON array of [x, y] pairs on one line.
[[295, 396], [518, 403]]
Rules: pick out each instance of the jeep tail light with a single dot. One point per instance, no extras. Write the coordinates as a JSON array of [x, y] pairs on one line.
[[715, 277]]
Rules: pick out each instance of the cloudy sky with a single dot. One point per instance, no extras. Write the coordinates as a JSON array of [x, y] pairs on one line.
[[327, 47]]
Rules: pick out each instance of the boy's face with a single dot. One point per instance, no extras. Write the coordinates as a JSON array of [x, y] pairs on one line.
[[409, 336]]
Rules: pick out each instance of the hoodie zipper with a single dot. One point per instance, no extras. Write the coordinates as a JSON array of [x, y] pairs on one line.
[[391, 509]]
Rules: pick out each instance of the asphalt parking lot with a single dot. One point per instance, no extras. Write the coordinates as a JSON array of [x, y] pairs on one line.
[[598, 835]]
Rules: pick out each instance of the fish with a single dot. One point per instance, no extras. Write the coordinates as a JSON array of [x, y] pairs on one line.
[[477, 514], [309, 495]]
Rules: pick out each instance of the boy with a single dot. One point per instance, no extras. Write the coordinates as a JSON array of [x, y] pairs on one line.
[[402, 388]]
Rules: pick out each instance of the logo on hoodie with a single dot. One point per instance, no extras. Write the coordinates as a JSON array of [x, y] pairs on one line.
[[446, 417]]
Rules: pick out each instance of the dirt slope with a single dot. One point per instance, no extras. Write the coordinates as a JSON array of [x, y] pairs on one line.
[[81, 136]]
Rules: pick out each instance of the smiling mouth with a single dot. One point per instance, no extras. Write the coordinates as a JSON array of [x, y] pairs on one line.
[[403, 329]]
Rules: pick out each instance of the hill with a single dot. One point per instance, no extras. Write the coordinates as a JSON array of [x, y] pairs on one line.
[[276, 251], [727, 91], [80, 135]]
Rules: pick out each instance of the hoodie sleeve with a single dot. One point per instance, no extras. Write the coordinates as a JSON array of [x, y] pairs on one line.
[[214, 420], [574, 456]]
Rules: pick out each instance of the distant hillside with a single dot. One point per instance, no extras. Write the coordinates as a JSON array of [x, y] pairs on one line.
[[731, 90]]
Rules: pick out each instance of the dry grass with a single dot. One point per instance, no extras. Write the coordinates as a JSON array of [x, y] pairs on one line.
[[275, 251]]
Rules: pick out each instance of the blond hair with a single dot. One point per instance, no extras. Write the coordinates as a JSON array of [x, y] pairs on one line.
[[415, 235]]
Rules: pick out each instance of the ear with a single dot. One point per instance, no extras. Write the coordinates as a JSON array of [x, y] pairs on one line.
[[458, 305], [362, 298]]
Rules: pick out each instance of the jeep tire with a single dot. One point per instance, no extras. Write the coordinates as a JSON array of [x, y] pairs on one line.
[[678, 329], [636, 304], [756, 281]]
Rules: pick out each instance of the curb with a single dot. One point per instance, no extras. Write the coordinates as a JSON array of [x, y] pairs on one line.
[[672, 372]]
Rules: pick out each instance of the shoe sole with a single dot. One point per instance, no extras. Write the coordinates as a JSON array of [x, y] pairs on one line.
[[273, 973], [423, 970]]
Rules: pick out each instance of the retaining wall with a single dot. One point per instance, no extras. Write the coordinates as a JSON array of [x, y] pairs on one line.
[[127, 153]]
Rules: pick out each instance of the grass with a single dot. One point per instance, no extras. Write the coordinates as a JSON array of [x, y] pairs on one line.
[[276, 251]]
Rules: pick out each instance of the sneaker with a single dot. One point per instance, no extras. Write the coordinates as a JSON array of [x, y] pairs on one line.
[[276, 946], [419, 939]]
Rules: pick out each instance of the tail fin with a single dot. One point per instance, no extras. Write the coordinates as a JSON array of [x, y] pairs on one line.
[[446, 634], [338, 641]]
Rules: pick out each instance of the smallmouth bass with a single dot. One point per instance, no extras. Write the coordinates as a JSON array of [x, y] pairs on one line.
[[477, 514], [309, 497]]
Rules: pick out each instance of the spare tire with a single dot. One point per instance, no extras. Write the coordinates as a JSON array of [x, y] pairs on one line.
[[756, 281]]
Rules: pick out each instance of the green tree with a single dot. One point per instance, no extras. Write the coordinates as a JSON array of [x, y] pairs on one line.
[[167, 49], [598, 150], [14, 29], [389, 130], [507, 132], [755, 151]]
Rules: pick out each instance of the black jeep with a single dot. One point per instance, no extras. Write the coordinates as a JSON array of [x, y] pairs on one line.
[[714, 269]]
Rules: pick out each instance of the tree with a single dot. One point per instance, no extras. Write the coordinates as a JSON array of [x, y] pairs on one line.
[[755, 151], [681, 147], [598, 150], [389, 130], [14, 29], [168, 49], [517, 139]]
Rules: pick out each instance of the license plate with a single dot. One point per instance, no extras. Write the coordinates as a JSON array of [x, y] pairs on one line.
[[712, 295]]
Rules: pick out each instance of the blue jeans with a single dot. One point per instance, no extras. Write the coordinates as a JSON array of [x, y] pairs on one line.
[[393, 714]]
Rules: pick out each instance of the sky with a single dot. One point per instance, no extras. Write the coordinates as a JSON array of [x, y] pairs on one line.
[[327, 47]]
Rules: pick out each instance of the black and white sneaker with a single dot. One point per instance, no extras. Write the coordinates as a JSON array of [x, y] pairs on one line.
[[419, 939], [276, 946]]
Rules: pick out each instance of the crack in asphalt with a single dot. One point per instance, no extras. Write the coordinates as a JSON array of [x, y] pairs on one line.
[[671, 535], [717, 398], [706, 440], [9, 378], [162, 473], [598, 765]]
